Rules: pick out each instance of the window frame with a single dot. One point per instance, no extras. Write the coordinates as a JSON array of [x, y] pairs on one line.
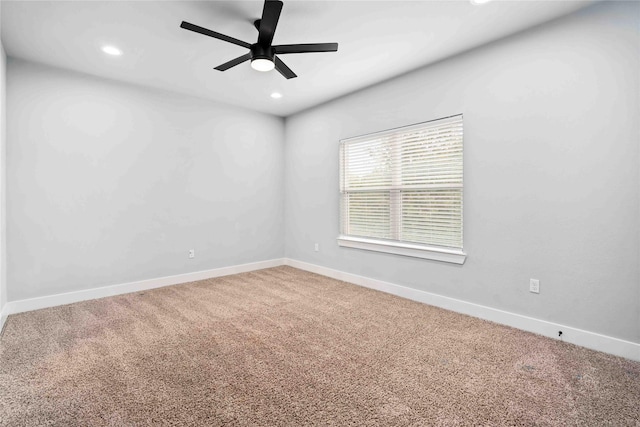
[[398, 247]]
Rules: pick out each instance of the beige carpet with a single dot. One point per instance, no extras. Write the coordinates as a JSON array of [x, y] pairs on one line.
[[282, 347]]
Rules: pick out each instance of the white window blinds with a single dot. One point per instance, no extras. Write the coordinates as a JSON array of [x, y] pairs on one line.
[[404, 184]]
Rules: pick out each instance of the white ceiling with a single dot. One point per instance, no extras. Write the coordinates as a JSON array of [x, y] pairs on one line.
[[377, 40]]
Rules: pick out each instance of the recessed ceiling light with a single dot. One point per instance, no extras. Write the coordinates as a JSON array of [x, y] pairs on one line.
[[480, 1], [111, 50], [276, 95]]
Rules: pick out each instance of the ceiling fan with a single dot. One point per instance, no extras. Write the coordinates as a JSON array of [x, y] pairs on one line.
[[262, 54]]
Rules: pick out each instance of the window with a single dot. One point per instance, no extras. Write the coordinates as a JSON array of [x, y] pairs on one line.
[[401, 191]]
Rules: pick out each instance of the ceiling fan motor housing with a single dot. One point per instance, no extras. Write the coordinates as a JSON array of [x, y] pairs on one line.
[[262, 52]]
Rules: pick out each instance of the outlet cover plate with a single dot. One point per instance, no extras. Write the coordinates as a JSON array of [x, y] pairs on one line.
[[534, 286]]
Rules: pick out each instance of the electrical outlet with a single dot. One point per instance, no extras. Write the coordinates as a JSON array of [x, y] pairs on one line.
[[534, 286], [192, 253], [316, 247]]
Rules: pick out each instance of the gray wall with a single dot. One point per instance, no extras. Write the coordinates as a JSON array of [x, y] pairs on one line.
[[111, 183], [3, 180], [551, 172]]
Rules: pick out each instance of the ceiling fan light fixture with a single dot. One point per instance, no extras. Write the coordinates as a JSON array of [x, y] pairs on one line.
[[262, 64]]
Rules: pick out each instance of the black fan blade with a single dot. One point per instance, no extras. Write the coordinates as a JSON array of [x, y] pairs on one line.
[[306, 48], [269, 21], [233, 62], [283, 69], [201, 30]]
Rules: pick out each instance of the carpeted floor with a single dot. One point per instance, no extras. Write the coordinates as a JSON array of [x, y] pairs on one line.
[[283, 347]]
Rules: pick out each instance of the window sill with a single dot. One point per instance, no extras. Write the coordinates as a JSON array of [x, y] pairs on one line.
[[406, 249]]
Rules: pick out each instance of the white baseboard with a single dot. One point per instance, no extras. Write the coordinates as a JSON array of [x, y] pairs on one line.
[[592, 340], [20, 306], [4, 313]]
